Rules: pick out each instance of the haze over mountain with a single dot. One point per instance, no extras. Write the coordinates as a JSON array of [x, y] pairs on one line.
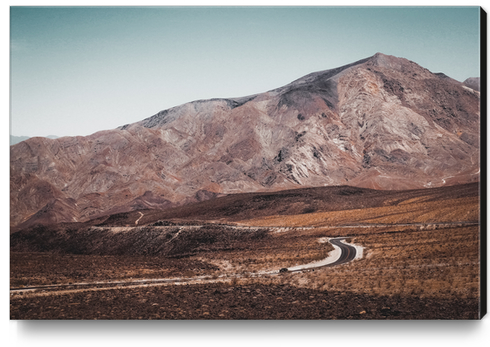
[[16, 139], [381, 122]]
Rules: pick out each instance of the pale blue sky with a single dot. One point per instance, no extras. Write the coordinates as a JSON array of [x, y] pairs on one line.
[[75, 71]]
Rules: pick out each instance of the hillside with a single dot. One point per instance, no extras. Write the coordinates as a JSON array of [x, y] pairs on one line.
[[382, 122]]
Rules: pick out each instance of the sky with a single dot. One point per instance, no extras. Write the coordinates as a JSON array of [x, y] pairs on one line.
[[78, 70]]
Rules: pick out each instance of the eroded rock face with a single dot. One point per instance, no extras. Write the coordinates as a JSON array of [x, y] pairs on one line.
[[383, 122]]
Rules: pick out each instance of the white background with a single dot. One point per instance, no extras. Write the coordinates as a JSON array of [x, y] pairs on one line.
[[208, 333]]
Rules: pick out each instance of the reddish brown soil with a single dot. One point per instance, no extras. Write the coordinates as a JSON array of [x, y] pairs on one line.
[[171, 241], [290, 202], [407, 272], [31, 269], [221, 301]]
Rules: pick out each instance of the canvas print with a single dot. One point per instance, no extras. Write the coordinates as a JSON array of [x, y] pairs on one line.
[[222, 163]]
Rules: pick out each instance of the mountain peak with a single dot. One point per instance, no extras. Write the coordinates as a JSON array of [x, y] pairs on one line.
[[381, 122], [389, 61], [381, 55]]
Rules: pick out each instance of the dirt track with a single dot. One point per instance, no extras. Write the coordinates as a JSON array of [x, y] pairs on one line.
[[347, 253]]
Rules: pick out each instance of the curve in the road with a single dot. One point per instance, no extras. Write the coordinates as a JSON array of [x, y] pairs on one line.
[[347, 254], [141, 216]]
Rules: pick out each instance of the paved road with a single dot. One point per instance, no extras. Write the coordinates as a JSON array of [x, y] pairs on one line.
[[347, 253]]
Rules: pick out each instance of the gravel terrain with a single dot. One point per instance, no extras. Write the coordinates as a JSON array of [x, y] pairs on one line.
[[222, 301]]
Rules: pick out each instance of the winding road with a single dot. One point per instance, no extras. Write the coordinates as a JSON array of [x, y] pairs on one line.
[[343, 253], [348, 252], [141, 216]]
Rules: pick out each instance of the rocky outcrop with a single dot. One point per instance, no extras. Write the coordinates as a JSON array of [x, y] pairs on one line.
[[382, 122]]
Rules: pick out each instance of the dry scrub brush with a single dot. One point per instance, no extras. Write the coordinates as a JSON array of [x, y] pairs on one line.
[[438, 263], [450, 210]]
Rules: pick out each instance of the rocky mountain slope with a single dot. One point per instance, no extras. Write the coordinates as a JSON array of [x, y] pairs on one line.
[[382, 122]]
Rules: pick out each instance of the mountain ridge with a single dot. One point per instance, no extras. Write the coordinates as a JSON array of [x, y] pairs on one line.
[[381, 122]]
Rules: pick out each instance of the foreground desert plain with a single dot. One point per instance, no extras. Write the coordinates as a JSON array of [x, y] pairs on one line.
[[420, 259]]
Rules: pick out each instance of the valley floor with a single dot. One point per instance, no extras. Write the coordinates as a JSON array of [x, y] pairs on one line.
[[406, 273], [420, 260]]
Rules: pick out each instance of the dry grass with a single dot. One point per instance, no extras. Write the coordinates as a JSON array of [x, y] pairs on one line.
[[437, 263], [28, 269], [451, 210], [278, 251], [398, 260]]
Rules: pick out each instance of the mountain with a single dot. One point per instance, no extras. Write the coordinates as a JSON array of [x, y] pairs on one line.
[[473, 82], [382, 122]]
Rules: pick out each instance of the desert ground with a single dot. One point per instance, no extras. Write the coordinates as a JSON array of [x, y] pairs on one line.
[[419, 259]]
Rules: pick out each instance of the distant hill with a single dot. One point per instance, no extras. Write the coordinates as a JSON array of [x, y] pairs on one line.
[[16, 139], [473, 82]]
